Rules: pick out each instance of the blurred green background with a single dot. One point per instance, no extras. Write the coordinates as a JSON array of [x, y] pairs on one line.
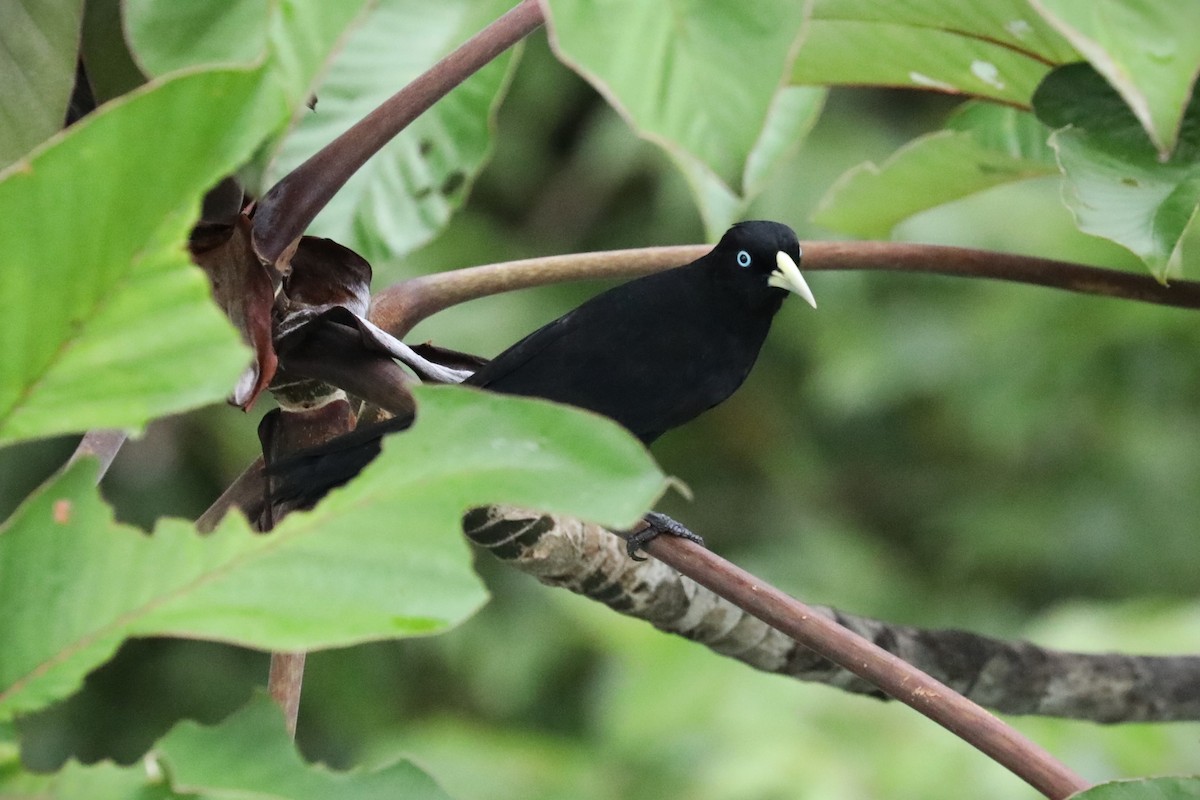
[[931, 451]]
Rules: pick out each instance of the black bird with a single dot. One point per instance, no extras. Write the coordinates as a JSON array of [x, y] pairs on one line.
[[652, 354]]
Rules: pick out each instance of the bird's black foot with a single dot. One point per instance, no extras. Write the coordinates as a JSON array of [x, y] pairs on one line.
[[654, 525]]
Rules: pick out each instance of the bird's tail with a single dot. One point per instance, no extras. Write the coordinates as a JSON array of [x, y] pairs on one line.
[[301, 479]]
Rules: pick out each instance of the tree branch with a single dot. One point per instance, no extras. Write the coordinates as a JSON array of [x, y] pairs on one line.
[[289, 206], [398, 308], [1010, 677]]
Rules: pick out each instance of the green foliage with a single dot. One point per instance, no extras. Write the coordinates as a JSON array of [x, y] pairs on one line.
[[295, 36], [37, 69], [983, 146], [1116, 184], [211, 762], [1144, 49], [996, 50], [654, 61], [1140, 193], [106, 322], [966, 455], [406, 193], [384, 558], [1149, 789]]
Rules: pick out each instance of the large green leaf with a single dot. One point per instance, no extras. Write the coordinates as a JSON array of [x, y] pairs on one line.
[[406, 193], [211, 762], [38, 44], [985, 145], [382, 558], [997, 49], [1146, 49], [793, 113], [105, 322], [695, 76], [1116, 185]]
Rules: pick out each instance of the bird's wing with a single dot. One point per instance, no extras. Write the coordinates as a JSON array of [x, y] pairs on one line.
[[592, 327], [519, 353]]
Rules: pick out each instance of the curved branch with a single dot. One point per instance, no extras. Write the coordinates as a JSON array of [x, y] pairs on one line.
[[398, 308], [401, 306]]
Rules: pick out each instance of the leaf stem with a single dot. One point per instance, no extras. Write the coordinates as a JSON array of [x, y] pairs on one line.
[[290, 205], [103, 444]]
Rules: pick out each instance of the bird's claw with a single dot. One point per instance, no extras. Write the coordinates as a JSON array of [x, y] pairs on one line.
[[654, 525]]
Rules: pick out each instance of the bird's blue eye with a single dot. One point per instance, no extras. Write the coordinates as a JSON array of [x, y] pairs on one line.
[[743, 258]]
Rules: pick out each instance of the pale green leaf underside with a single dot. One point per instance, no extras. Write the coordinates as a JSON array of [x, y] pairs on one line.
[[997, 49], [383, 557], [988, 146], [38, 44], [695, 77], [793, 113], [406, 193], [1147, 50], [294, 36], [1139, 203]]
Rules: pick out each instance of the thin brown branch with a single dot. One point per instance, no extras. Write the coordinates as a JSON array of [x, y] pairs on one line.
[[284, 683], [895, 677], [965, 262], [776, 633], [401, 306], [288, 207], [246, 493]]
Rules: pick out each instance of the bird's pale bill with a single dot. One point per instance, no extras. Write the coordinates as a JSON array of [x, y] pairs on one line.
[[787, 276]]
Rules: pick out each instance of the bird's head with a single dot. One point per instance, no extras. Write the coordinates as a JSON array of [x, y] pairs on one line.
[[760, 257]]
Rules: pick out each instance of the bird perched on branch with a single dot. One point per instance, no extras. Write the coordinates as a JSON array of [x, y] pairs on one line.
[[651, 354]]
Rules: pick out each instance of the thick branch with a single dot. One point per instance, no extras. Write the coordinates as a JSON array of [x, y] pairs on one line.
[[401, 306], [1010, 677], [290, 205]]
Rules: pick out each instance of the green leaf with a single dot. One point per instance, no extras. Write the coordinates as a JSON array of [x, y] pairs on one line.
[[383, 557], [1146, 49], [1116, 185], [695, 77], [110, 66], [298, 35], [211, 762], [996, 49], [38, 43], [1144, 789], [105, 321], [985, 146], [793, 113], [406, 193], [167, 36], [76, 781]]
